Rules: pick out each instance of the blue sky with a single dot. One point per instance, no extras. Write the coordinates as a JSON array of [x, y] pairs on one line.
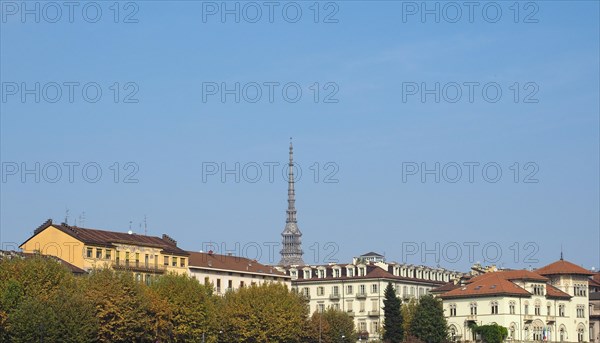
[[370, 130]]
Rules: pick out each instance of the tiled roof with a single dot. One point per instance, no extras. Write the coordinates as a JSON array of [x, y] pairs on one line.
[[487, 284], [562, 267], [517, 274], [109, 238], [233, 263], [373, 272], [553, 292]]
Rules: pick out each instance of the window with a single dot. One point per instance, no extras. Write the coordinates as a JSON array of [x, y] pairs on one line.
[[374, 305], [229, 285], [374, 288], [361, 289], [561, 310], [580, 335], [473, 309], [350, 272], [580, 311], [548, 308], [362, 305], [89, 252], [174, 263], [453, 310], [494, 307], [306, 292], [349, 305], [107, 254], [336, 273], [98, 253], [579, 290], [511, 307], [362, 326], [321, 307], [218, 285], [335, 290], [166, 260], [137, 258], [526, 309], [538, 289], [537, 310], [320, 290], [241, 284], [336, 306], [182, 262], [127, 257], [349, 289], [321, 273], [375, 326]]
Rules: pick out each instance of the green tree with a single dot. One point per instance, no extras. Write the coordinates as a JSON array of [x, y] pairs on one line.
[[40, 299], [332, 326], [408, 313], [492, 333], [429, 324], [392, 323], [191, 305], [266, 313]]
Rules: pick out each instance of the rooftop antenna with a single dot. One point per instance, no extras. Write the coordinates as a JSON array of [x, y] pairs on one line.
[[67, 215], [145, 226], [561, 253], [130, 225]]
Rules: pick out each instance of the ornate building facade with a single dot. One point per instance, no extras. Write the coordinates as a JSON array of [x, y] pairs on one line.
[[548, 304]]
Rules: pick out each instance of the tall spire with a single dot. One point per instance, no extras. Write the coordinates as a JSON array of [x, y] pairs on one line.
[[291, 252], [291, 211]]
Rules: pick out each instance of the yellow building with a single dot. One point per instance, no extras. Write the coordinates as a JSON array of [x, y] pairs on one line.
[[145, 256]]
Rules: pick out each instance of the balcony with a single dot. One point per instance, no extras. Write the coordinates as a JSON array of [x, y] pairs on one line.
[[550, 319], [527, 318], [373, 313], [472, 318], [139, 267], [334, 297], [361, 295], [350, 313]]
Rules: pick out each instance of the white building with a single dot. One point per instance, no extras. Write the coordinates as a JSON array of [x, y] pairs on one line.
[[358, 287], [228, 272], [546, 304]]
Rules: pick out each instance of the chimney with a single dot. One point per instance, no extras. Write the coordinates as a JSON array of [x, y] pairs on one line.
[[168, 238]]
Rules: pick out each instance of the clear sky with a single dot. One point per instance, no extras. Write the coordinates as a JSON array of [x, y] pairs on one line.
[[388, 89]]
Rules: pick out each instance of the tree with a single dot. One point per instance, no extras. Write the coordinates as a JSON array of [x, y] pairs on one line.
[[332, 326], [266, 313], [408, 313], [392, 323], [40, 300], [191, 306], [121, 306], [492, 333], [429, 324]]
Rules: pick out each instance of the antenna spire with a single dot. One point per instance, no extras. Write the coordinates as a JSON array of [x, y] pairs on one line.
[[561, 252], [145, 226], [291, 253]]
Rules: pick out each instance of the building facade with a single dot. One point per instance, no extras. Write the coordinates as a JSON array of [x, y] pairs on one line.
[[145, 256], [357, 288], [547, 304], [227, 273]]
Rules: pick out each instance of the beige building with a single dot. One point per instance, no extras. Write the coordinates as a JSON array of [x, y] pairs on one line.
[[358, 287], [547, 304], [227, 272], [145, 256]]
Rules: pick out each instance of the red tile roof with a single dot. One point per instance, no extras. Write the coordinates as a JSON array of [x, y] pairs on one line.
[[488, 284], [233, 263], [553, 292], [109, 238], [562, 267]]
